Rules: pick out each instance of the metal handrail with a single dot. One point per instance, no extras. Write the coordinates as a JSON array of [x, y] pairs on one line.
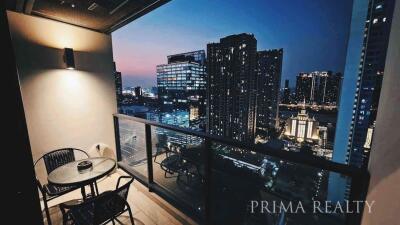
[[359, 176], [295, 157]]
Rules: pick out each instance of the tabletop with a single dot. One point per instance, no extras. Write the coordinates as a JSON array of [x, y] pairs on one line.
[[68, 174]]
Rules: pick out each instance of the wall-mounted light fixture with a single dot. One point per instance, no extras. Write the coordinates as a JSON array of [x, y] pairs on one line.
[[69, 58]]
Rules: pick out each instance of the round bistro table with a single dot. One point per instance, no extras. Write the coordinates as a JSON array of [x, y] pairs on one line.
[[69, 175]]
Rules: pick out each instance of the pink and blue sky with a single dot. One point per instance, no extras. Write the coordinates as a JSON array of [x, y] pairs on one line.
[[313, 33]]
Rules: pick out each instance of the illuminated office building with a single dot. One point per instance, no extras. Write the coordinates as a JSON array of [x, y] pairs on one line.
[[182, 83]]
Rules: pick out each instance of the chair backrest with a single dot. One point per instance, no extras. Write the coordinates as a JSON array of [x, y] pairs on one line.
[[111, 204], [101, 208], [59, 157]]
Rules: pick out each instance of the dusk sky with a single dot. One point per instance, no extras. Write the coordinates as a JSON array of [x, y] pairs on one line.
[[312, 33]]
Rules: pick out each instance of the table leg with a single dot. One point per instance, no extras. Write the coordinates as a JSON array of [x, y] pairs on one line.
[[97, 189], [92, 190], [83, 193]]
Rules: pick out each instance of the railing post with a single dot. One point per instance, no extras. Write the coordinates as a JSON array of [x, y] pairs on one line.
[[208, 180], [117, 138], [149, 154], [358, 192]]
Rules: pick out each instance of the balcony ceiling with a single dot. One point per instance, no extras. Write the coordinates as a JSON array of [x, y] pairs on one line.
[[99, 15]]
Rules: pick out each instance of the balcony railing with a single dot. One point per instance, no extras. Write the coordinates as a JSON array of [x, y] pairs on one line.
[[221, 181]]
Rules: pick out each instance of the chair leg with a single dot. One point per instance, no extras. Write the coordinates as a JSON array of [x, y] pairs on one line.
[[119, 222], [46, 209], [130, 215], [155, 157]]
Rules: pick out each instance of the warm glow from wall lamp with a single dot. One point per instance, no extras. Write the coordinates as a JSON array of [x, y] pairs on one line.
[[69, 58]]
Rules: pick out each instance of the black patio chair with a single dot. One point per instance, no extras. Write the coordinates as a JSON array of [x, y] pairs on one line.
[[171, 165], [53, 160], [159, 151], [194, 156], [100, 209]]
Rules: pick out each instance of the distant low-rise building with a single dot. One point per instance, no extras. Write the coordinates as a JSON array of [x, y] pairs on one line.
[[302, 128]]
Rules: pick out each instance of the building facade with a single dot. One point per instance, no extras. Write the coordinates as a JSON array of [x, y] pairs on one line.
[[118, 86], [364, 70], [182, 83], [286, 98], [372, 64], [302, 128], [331, 94], [231, 70], [303, 87], [269, 72], [195, 56], [318, 87]]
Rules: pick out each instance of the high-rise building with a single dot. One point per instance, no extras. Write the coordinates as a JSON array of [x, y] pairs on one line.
[[118, 86], [269, 71], [286, 99], [182, 83], [364, 70], [370, 79], [231, 70], [318, 87], [332, 90], [303, 87], [353, 146]]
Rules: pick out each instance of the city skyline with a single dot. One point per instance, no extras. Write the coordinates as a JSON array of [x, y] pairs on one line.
[[260, 112], [243, 95], [137, 55]]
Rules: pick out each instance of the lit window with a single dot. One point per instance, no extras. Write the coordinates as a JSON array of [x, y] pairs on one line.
[[301, 130], [384, 19], [378, 7], [375, 21], [293, 130], [309, 129]]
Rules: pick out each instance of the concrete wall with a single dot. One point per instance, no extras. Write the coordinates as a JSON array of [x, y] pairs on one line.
[[384, 164], [64, 108]]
